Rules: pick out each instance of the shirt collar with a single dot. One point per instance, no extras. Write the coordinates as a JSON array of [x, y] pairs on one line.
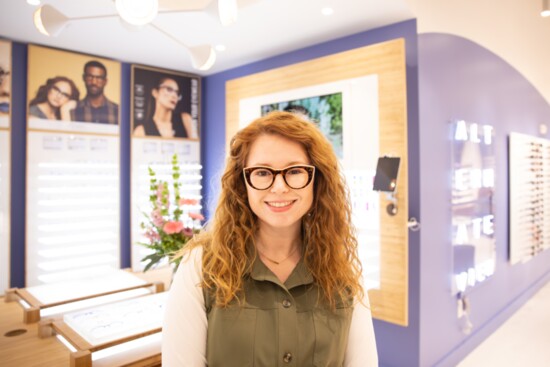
[[299, 276]]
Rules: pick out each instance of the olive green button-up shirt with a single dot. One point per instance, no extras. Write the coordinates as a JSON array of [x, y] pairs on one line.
[[277, 325]]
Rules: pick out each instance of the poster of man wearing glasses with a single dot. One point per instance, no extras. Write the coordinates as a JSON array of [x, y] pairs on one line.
[[66, 87], [165, 104], [5, 83]]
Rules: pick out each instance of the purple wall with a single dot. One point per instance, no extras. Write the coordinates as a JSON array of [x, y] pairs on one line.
[[397, 346], [461, 80]]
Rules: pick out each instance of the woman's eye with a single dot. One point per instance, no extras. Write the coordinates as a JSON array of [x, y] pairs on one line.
[[296, 171], [261, 173]]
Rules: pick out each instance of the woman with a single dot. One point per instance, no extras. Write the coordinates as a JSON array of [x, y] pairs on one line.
[[161, 119], [5, 87], [276, 280], [55, 99]]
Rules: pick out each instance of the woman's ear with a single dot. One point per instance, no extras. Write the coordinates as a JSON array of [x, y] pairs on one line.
[[155, 93]]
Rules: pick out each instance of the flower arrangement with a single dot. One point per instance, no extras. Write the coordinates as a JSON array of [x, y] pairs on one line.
[[168, 231]]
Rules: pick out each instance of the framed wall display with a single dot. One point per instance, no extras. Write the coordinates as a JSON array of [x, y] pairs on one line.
[[472, 204], [72, 92], [325, 111], [5, 170], [73, 165], [164, 103], [165, 122], [529, 176], [367, 88]]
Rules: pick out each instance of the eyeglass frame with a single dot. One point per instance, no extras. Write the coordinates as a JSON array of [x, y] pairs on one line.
[[247, 171], [169, 89], [92, 77], [60, 92]]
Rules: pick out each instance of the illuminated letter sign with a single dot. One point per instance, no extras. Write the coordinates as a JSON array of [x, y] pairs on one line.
[[473, 181]]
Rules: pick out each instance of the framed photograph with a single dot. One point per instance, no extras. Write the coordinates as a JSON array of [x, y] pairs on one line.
[[165, 103], [73, 92], [5, 83], [325, 111]]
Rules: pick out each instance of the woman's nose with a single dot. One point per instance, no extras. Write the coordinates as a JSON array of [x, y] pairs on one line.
[[279, 184]]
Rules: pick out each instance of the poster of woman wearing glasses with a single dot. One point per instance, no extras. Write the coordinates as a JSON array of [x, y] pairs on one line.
[[66, 87], [5, 83], [165, 104]]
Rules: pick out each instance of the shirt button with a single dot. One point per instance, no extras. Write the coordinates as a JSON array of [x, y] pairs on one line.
[[286, 303], [287, 358]]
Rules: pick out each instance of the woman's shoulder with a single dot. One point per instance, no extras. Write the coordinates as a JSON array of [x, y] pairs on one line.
[[192, 256]]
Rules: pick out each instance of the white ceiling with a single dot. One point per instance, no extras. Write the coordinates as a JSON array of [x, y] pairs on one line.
[[512, 29], [264, 28]]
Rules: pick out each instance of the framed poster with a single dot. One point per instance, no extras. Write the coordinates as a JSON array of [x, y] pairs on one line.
[[5, 107], [73, 166], [165, 122], [164, 103], [323, 110], [72, 92]]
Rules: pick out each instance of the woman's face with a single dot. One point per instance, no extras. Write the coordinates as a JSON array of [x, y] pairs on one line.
[[279, 207], [167, 94], [59, 94]]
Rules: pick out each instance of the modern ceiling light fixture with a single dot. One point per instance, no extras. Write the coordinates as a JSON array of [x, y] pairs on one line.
[[135, 14], [49, 21], [545, 12], [228, 11], [203, 57], [327, 11]]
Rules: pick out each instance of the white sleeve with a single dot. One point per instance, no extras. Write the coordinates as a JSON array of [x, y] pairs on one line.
[[361, 350], [185, 323]]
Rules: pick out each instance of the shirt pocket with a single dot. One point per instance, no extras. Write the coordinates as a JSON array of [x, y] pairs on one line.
[[230, 341], [331, 336]]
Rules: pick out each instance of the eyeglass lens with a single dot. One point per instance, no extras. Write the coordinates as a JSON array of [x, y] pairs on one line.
[[169, 89], [60, 92], [91, 77]]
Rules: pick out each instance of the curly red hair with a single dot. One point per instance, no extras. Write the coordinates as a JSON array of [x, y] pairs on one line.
[[330, 245]]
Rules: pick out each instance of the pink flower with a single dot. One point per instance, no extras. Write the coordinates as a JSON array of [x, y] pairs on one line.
[[188, 232], [157, 218], [160, 195], [172, 227], [196, 216], [152, 235], [184, 201]]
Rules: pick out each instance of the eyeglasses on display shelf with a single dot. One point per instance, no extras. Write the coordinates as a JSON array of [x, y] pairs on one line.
[[128, 332], [53, 299]]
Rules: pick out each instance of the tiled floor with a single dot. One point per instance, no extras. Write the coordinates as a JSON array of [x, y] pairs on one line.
[[523, 340]]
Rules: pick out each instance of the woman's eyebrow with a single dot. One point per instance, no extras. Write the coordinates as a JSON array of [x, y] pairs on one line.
[[294, 163]]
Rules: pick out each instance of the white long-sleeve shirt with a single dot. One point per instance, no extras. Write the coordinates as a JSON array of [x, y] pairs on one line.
[[185, 323]]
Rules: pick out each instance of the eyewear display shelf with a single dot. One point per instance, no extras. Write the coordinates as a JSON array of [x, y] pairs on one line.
[[49, 298], [529, 196], [131, 329]]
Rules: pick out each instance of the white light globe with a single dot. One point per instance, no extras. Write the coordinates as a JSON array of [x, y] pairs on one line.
[[137, 12]]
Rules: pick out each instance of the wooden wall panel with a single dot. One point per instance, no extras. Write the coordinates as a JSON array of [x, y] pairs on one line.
[[387, 60]]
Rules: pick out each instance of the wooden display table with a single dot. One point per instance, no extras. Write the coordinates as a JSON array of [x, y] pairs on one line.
[[24, 348]]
